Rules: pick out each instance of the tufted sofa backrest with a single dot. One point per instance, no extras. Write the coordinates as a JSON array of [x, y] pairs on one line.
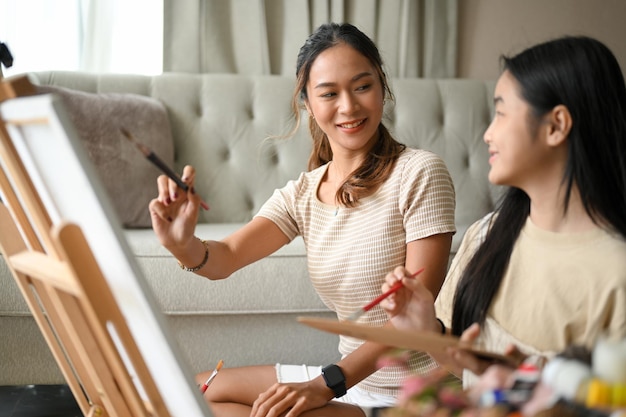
[[227, 127]]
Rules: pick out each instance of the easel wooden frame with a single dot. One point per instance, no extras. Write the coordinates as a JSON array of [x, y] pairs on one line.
[[100, 354]]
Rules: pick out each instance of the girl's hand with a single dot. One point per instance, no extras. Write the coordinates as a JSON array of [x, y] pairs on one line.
[[495, 377], [464, 359], [411, 307]]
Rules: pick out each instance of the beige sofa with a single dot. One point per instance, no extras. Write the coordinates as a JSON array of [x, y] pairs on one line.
[[220, 124]]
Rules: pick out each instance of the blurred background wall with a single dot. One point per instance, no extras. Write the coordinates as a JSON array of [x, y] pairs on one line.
[[489, 28]]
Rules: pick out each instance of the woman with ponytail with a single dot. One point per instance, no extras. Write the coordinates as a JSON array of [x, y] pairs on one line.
[[547, 269]]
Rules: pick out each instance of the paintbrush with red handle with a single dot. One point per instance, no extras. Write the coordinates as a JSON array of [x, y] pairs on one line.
[[358, 313]]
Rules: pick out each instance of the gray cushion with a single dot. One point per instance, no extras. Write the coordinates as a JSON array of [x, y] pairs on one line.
[[129, 178]]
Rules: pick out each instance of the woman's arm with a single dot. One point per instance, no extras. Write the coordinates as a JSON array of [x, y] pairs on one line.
[[432, 254], [254, 241], [174, 215]]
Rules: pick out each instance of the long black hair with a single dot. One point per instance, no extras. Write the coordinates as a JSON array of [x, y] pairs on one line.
[[582, 74]]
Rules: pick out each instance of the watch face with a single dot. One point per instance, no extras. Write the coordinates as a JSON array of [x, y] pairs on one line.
[[335, 380], [333, 375]]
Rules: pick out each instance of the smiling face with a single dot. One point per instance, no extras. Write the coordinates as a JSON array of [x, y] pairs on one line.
[[518, 151], [345, 95]]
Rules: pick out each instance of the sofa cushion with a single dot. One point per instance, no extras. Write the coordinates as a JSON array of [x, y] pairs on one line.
[[128, 177]]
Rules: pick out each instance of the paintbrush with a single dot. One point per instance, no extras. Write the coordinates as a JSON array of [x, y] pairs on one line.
[[204, 386], [158, 162], [358, 313]]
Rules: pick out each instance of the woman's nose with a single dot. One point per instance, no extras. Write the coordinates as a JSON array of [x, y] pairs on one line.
[[349, 104], [487, 135]]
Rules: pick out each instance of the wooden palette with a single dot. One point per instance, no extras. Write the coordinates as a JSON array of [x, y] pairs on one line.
[[415, 340]]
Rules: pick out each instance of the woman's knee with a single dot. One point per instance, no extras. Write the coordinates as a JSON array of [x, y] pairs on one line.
[[239, 385]]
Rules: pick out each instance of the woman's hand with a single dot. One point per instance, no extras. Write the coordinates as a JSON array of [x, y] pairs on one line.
[[411, 307], [174, 212], [289, 400]]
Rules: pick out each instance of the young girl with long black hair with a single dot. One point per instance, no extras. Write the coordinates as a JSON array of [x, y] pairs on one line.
[[547, 269]]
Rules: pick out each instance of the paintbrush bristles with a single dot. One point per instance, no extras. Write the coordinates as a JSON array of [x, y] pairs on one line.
[[143, 148], [212, 376], [152, 157], [126, 133]]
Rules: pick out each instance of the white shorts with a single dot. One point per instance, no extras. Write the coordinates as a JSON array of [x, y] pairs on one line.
[[367, 401]]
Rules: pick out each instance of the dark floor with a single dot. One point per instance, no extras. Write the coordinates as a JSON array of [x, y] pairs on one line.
[[38, 401], [42, 401]]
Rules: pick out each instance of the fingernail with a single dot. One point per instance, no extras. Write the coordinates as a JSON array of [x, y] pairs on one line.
[[193, 190], [175, 196], [168, 200], [169, 219]]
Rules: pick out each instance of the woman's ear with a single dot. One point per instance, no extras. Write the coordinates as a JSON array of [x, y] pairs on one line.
[[308, 109], [559, 125]]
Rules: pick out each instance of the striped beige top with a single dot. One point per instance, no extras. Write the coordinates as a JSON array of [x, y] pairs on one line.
[[350, 250]]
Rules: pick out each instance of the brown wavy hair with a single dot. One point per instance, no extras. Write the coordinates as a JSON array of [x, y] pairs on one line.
[[380, 160]]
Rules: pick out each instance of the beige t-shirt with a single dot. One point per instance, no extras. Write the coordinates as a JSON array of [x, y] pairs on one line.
[[559, 289], [350, 250]]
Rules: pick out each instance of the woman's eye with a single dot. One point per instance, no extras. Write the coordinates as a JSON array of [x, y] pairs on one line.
[[327, 95], [363, 87]]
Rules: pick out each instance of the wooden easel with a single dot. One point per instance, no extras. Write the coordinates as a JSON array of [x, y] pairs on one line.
[[68, 294]]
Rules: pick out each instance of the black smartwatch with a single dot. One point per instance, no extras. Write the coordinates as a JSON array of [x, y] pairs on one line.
[[335, 380]]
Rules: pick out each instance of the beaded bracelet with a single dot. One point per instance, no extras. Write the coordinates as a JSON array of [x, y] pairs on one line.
[[204, 260]]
